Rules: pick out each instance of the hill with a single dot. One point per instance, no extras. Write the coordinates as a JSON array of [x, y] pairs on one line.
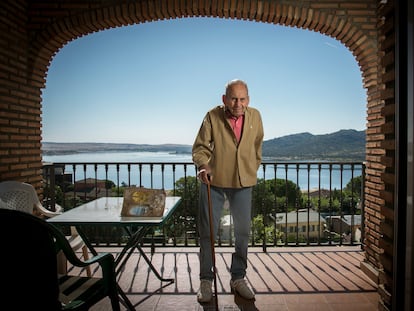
[[342, 145], [338, 146]]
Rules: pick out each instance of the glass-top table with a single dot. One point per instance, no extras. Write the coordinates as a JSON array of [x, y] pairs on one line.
[[106, 211]]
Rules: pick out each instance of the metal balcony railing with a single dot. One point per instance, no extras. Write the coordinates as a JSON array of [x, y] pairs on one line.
[[294, 203]]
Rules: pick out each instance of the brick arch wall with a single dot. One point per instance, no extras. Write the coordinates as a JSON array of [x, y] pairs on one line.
[[387, 81], [20, 102], [40, 29]]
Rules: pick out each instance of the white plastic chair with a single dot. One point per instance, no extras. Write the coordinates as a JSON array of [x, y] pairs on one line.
[[22, 196]]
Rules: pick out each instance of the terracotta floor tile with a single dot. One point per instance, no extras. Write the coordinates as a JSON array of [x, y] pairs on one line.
[[285, 279]]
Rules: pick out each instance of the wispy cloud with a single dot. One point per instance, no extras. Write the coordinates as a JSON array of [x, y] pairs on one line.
[[331, 45]]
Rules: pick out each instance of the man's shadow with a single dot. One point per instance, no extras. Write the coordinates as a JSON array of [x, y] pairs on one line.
[[240, 304], [245, 304]]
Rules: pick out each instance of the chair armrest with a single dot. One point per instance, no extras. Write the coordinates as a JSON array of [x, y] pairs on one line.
[[58, 208], [45, 212], [103, 259]]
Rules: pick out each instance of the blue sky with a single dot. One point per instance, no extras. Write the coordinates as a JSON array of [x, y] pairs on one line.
[[153, 83]]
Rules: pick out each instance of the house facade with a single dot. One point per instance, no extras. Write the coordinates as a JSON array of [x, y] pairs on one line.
[[307, 224]]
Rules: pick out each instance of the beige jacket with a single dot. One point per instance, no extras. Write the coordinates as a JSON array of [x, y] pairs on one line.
[[232, 165]]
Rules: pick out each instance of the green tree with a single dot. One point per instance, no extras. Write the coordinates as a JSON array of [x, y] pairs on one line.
[[183, 224], [275, 195], [109, 184], [354, 186], [270, 197], [345, 201], [260, 231], [326, 205], [352, 195]]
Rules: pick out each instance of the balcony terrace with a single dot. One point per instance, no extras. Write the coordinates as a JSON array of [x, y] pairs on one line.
[[314, 268]]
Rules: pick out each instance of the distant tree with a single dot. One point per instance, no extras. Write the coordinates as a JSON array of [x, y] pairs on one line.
[[270, 197], [326, 205], [48, 194], [109, 184], [123, 184], [341, 202], [354, 186], [260, 231], [352, 195], [275, 195], [184, 220], [67, 186]]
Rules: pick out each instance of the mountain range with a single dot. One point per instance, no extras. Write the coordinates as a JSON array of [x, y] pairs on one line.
[[341, 145], [338, 146]]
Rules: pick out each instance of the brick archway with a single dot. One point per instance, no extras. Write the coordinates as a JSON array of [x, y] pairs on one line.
[[353, 24]]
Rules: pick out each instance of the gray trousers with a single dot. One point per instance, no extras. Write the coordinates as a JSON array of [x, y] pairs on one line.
[[240, 201]]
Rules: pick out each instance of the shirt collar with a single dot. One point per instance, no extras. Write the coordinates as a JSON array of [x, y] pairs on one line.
[[230, 116]]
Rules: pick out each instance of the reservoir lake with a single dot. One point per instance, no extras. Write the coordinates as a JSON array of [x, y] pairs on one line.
[[307, 179]]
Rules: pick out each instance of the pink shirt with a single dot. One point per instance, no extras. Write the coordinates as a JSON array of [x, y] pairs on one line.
[[236, 125]]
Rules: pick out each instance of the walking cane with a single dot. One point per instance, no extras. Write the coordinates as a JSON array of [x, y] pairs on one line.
[[213, 253]]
